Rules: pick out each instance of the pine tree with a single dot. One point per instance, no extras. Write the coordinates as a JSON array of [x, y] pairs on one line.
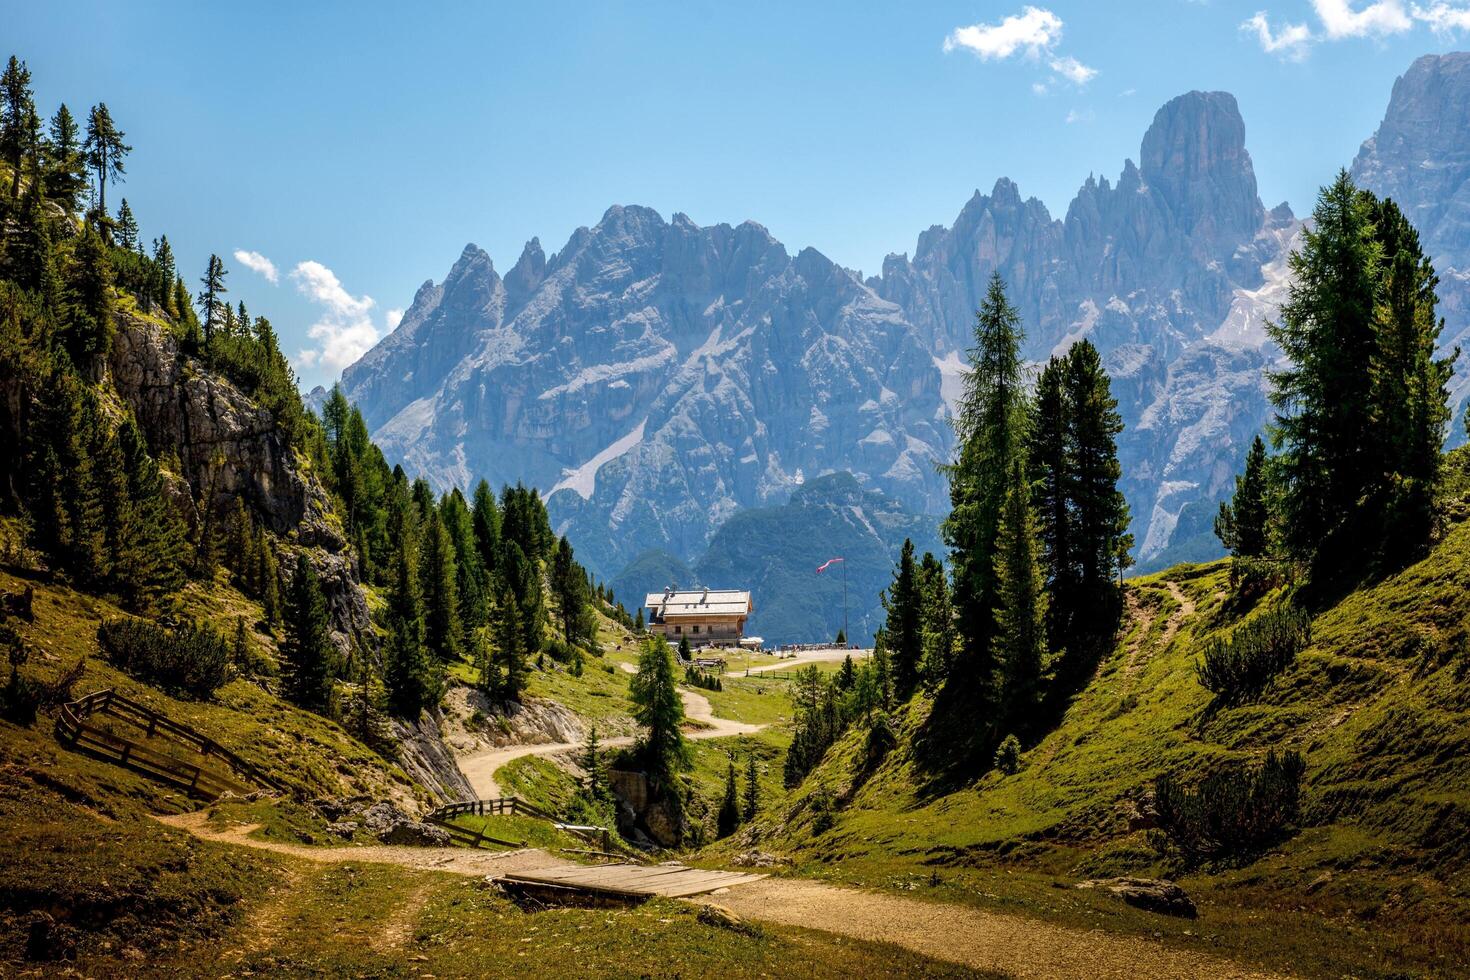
[[17, 109], [269, 579], [89, 303], [66, 168], [1101, 513], [210, 303], [1052, 459], [104, 151], [1323, 400], [1020, 639], [511, 656], [163, 261], [440, 589], [659, 709], [411, 676], [846, 674], [1410, 399], [569, 584], [487, 525], [1242, 524], [638, 625], [308, 658], [936, 620], [593, 766], [127, 227], [155, 553], [903, 630], [523, 578], [728, 820], [990, 428], [686, 652], [472, 581], [751, 802]]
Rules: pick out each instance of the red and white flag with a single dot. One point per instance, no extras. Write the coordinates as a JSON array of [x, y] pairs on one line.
[[827, 564]]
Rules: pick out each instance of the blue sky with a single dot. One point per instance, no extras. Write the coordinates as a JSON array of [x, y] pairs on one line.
[[359, 146]]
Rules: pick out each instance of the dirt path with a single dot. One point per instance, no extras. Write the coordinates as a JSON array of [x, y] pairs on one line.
[[480, 767], [1014, 945], [829, 655], [458, 860], [1178, 616], [1011, 944]]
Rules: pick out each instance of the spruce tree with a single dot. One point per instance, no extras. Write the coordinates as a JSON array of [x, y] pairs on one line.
[[269, 580], [104, 151], [127, 227], [1242, 524], [1051, 458], [155, 553], [658, 708], [903, 630], [440, 589], [936, 620], [512, 656], [1020, 639], [569, 584], [89, 303], [523, 578], [1323, 399], [1100, 511], [411, 676], [308, 658], [17, 108], [210, 303], [163, 261], [751, 803], [1409, 383], [472, 580], [728, 820], [66, 168], [593, 766], [990, 427], [486, 517]]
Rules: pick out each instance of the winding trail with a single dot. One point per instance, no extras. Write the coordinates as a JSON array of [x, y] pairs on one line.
[[480, 767], [1012, 944]]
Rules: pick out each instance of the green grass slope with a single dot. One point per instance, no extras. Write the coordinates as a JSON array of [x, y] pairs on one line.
[[1373, 882]]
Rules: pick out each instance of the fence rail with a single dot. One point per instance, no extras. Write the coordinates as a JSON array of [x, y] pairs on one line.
[[514, 806], [73, 728]]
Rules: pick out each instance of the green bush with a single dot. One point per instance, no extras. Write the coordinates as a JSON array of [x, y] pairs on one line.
[[1238, 669], [824, 810], [695, 677], [191, 659], [881, 739], [1234, 812], [1008, 755]]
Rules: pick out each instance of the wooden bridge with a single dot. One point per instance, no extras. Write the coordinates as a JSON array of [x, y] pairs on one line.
[[74, 730]]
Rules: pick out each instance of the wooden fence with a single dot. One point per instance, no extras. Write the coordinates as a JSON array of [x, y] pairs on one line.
[[73, 729], [513, 806]]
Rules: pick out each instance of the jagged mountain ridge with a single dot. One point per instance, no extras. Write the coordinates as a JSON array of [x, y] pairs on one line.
[[654, 377]]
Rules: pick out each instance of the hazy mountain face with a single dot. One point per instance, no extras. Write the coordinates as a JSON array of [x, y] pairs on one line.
[[1420, 157], [655, 377]]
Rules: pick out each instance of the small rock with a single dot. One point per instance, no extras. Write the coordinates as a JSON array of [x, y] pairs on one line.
[[1149, 894], [723, 918]]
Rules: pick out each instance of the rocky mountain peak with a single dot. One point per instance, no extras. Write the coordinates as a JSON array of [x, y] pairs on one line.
[[523, 278], [1420, 155], [1194, 155]]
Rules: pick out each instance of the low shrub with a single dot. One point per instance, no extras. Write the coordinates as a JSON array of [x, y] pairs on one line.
[[880, 741], [1234, 811], [1008, 755], [190, 659], [1238, 669]]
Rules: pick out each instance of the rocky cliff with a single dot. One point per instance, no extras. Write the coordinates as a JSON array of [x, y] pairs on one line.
[[656, 377], [1420, 157]]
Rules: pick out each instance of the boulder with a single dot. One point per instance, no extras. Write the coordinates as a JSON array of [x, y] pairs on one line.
[[1150, 894]]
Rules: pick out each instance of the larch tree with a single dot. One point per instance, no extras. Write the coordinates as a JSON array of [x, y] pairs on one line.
[[904, 627], [1020, 637], [105, 152], [990, 425], [658, 708], [308, 658]]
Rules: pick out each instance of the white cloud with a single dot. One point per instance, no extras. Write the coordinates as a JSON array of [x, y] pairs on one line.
[[1032, 33], [1443, 18], [392, 318], [1290, 41], [345, 331], [1378, 19], [1076, 116], [1034, 29], [1127, 92], [1073, 70], [258, 263]]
